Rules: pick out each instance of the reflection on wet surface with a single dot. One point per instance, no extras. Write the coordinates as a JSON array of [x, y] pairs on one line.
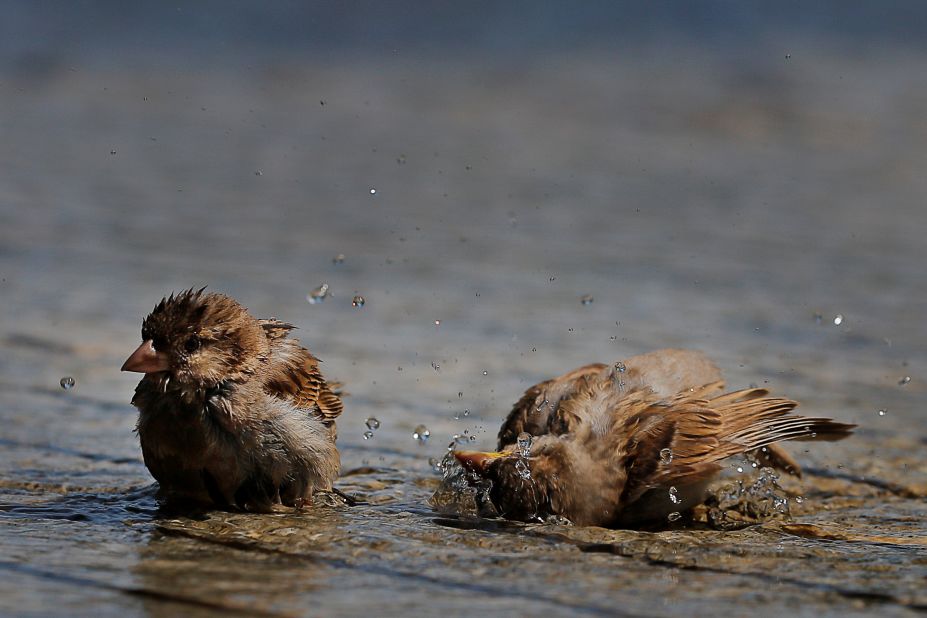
[[740, 219]]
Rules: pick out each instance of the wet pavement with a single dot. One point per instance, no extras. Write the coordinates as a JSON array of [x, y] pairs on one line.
[[734, 207]]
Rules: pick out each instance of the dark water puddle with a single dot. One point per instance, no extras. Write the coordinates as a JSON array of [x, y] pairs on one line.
[[107, 508]]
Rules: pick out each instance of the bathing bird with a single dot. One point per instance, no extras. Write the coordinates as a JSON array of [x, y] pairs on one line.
[[635, 441], [233, 411]]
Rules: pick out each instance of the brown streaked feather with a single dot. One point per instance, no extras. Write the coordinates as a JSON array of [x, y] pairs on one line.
[[709, 430], [295, 376]]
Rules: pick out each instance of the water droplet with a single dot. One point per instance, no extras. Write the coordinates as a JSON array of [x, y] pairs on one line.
[[258, 173], [740, 469], [674, 498], [485, 373], [458, 439], [318, 295], [838, 319], [112, 152], [666, 456], [373, 191], [472, 438], [358, 301], [437, 322], [799, 499], [67, 383], [459, 394], [368, 434], [338, 259], [620, 367], [435, 366], [674, 516], [587, 299], [372, 423], [524, 443], [904, 380], [521, 467], [421, 434], [818, 318], [466, 412], [788, 56], [882, 412]]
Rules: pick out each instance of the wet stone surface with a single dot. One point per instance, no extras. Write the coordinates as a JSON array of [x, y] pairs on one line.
[[739, 221]]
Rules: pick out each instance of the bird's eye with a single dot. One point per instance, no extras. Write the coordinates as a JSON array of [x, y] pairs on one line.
[[192, 344], [158, 343]]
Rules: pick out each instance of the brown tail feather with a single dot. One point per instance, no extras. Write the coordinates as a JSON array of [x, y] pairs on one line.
[[752, 420]]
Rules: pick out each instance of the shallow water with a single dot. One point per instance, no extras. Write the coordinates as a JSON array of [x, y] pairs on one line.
[[701, 202]]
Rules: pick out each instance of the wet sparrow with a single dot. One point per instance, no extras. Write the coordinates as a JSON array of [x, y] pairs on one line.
[[633, 442], [232, 412]]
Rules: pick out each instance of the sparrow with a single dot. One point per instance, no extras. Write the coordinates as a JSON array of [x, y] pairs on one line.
[[634, 442], [233, 412]]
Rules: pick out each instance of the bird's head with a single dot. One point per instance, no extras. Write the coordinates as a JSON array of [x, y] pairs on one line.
[[200, 340], [549, 476]]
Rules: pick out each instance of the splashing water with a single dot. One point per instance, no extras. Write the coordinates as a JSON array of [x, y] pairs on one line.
[[460, 439], [421, 434], [318, 295], [461, 493], [524, 443], [620, 369], [743, 503]]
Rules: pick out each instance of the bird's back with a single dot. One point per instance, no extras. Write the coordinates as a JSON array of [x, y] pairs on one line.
[[663, 372]]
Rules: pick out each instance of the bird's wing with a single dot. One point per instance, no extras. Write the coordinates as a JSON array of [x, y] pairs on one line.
[[662, 441], [294, 375], [681, 440], [538, 406]]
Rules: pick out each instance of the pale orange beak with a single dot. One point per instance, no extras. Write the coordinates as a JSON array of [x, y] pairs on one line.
[[146, 360], [476, 461]]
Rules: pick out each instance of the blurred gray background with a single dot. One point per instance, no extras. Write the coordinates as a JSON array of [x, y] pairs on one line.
[[742, 178]]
